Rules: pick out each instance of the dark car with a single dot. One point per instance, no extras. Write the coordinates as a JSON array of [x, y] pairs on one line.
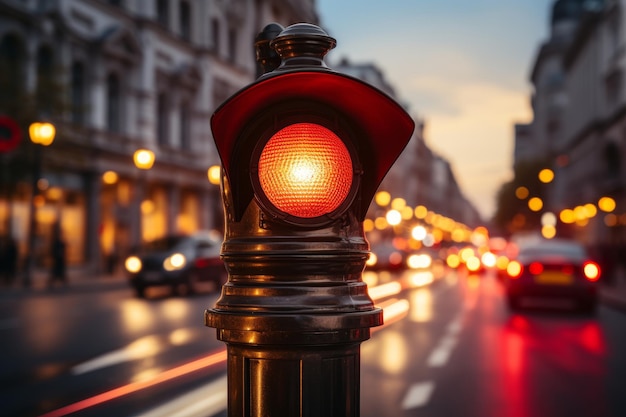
[[552, 269], [182, 262]]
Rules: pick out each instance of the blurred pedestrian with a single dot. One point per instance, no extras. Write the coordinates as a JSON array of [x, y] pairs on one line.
[[8, 260], [58, 271]]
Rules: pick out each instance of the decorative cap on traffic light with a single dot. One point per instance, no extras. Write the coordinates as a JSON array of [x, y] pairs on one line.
[[306, 141]]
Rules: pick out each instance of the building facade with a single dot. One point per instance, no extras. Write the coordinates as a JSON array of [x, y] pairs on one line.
[[115, 77], [579, 106]]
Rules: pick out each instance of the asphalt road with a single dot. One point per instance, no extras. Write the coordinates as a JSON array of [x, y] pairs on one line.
[[449, 347]]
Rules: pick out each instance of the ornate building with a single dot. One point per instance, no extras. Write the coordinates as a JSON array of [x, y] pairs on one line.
[[115, 77]]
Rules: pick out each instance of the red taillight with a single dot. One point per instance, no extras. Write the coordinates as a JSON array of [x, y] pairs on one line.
[[535, 268], [514, 269], [206, 262], [591, 270]]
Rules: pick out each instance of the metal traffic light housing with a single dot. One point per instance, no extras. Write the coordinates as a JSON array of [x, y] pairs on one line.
[[304, 90], [303, 150]]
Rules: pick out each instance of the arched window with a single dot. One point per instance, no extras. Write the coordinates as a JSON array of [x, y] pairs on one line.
[[78, 93], [162, 119], [114, 103]]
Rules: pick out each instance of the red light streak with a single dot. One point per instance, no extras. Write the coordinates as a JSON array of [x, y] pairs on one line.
[[212, 359]]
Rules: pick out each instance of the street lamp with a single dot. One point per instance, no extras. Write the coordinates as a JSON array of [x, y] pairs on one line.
[[41, 134], [144, 160]]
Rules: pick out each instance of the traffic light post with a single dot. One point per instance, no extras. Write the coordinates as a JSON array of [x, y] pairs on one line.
[[303, 150]]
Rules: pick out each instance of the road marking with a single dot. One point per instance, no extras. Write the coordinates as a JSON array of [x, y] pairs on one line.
[[206, 400], [440, 355], [218, 357], [418, 395]]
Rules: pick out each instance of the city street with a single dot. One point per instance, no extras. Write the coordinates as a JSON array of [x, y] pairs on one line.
[[449, 347]]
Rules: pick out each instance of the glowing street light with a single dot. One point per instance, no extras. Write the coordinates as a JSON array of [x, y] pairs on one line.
[[143, 159], [41, 134], [546, 175], [214, 174]]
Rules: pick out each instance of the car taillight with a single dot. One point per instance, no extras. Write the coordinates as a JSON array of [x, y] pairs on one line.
[[202, 263], [514, 269], [535, 268], [591, 271]]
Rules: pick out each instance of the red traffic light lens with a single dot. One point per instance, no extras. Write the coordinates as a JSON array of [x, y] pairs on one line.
[[305, 170]]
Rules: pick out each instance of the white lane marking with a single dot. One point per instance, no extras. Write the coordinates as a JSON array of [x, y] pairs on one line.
[[103, 361], [439, 356], [418, 395], [455, 325], [206, 400], [140, 348]]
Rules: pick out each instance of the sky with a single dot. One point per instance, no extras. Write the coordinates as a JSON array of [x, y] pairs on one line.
[[461, 66]]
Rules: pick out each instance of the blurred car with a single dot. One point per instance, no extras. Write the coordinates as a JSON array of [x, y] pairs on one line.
[[182, 262], [556, 268], [385, 256]]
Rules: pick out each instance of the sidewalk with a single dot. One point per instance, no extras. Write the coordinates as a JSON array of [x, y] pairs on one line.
[[78, 280]]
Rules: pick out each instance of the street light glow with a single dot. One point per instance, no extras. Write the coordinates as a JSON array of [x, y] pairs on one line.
[[546, 175], [42, 133], [143, 158], [214, 174], [606, 204]]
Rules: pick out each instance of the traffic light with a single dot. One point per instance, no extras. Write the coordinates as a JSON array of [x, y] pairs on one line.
[[303, 150]]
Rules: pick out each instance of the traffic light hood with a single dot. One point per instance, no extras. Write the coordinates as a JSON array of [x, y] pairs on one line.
[[384, 128]]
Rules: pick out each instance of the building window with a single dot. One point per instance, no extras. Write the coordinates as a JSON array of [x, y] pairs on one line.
[[185, 20], [162, 120], [162, 12], [11, 73], [46, 85], [215, 34], [113, 103], [232, 45], [78, 93], [185, 128]]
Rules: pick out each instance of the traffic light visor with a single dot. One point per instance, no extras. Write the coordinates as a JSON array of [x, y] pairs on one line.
[[304, 170]]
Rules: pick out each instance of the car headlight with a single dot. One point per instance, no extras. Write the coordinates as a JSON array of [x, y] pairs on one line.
[[175, 262], [419, 261], [133, 264]]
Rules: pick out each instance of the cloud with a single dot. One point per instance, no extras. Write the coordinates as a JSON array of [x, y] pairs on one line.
[[477, 138]]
